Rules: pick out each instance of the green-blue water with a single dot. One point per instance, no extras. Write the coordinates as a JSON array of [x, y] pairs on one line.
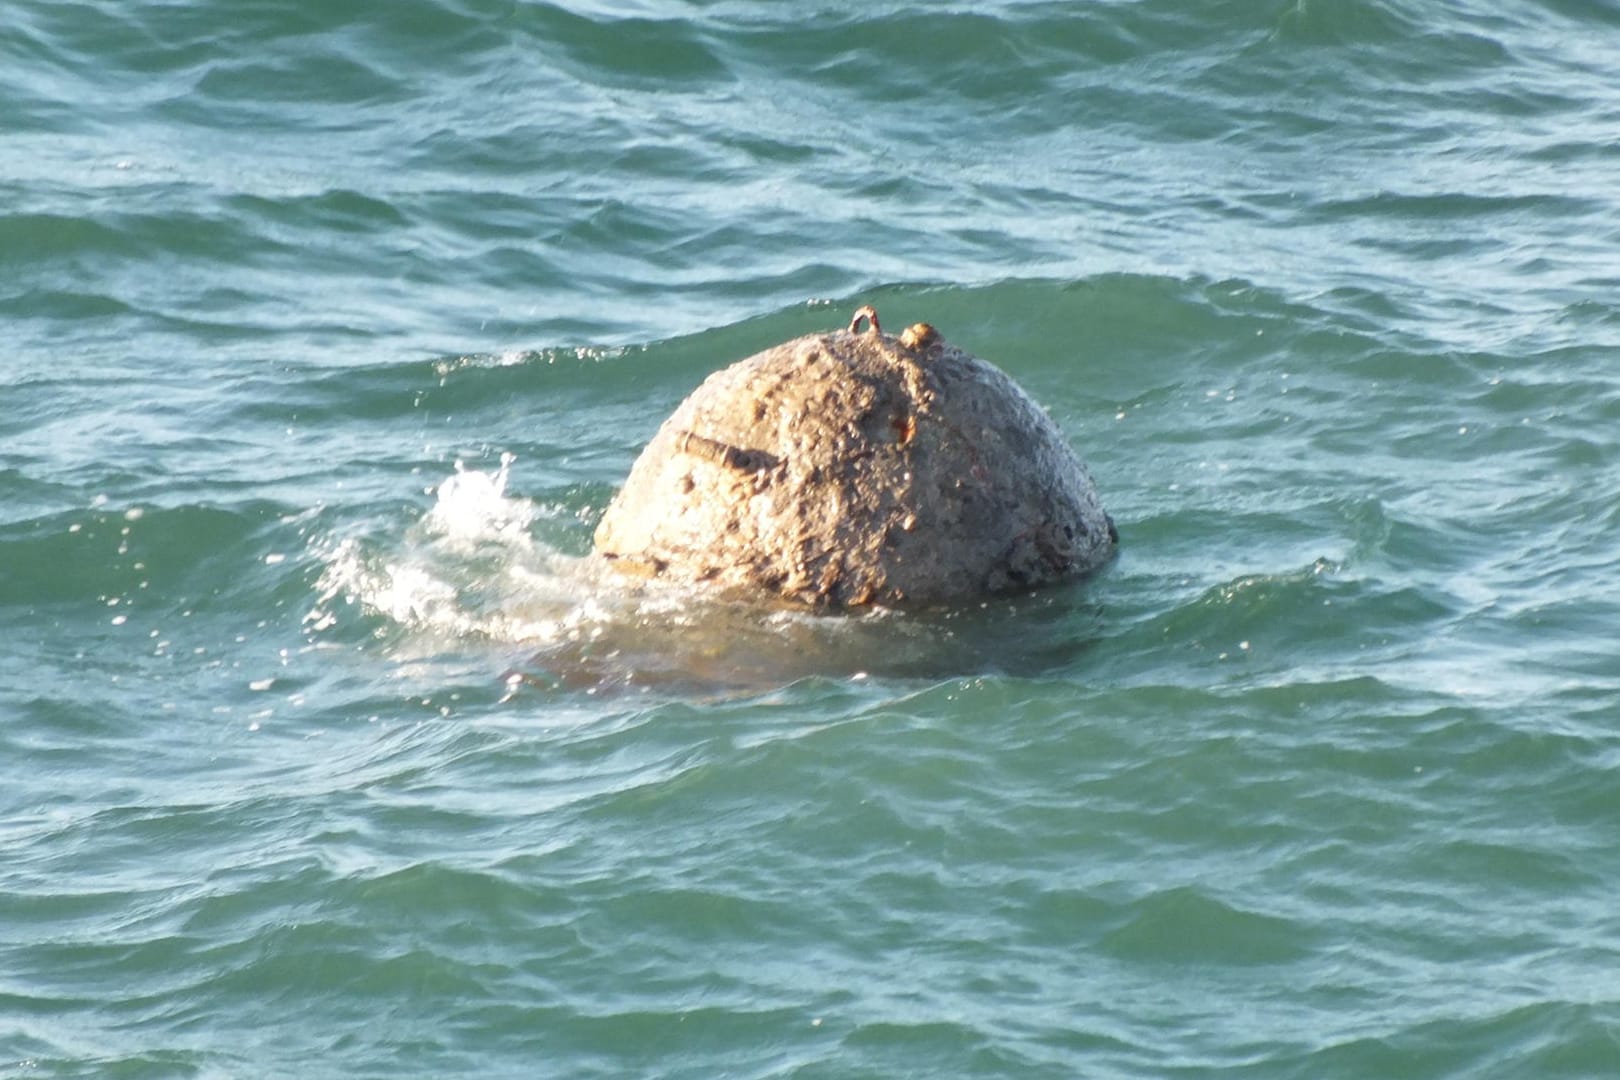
[[317, 762]]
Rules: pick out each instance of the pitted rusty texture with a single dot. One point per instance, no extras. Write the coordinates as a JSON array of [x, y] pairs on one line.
[[857, 468]]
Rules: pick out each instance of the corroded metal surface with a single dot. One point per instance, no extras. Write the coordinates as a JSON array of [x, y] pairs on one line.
[[858, 468]]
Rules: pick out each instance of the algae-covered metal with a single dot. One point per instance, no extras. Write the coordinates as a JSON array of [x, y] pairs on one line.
[[857, 468]]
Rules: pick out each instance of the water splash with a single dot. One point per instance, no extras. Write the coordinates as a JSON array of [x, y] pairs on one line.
[[471, 573], [473, 509], [469, 569]]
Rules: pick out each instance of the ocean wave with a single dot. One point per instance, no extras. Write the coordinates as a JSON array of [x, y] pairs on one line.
[[331, 333]]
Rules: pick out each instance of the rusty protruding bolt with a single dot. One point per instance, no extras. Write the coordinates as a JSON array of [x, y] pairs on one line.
[[918, 336]]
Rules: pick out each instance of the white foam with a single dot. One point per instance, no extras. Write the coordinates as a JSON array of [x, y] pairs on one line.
[[473, 507], [470, 570]]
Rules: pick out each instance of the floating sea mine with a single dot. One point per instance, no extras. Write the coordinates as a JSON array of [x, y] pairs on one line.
[[853, 468]]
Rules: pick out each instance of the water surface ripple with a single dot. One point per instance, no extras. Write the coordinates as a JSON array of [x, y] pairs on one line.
[[331, 333]]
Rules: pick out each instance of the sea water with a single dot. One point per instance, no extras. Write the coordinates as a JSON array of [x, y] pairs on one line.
[[330, 331]]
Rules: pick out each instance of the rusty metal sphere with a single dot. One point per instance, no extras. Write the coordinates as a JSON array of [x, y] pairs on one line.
[[854, 468]]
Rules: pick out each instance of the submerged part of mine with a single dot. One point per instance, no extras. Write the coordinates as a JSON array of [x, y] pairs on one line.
[[859, 468]]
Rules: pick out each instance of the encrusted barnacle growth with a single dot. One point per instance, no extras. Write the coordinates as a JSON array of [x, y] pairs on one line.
[[855, 468]]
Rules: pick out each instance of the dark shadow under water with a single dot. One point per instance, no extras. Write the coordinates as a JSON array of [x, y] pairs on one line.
[[706, 644]]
